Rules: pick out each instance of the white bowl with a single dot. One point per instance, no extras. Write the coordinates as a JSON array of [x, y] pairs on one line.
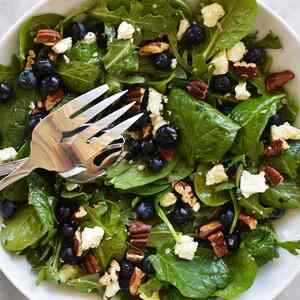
[[272, 278]]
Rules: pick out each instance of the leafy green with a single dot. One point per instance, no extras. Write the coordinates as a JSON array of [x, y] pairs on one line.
[[253, 116], [6, 73], [151, 286], [205, 124], [22, 231], [181, 171], [243, 269], [159, 236], [86, 284], [290, 246], [149, 189], [84, 52], [270, 41], [198, 278]]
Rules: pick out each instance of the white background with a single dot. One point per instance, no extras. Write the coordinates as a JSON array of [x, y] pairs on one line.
[[11, 10]]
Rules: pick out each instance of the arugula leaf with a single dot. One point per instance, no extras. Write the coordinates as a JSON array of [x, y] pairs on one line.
[[24, 230], [205, 124], [253, 117], [198, 278], [86, 284], [243, 269], [270, 41]]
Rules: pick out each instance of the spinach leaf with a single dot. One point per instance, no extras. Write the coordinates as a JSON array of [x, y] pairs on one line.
[[159, 236], [80, 77], [270, 41], [6, 73], [29, 30], [151, 286], [290, 109], [86, 284], [290, 246], [285, 195], [198, 278], [253, 206], [243, 269], [253, 116], [181, 171], [121, 58], [205, 193], [117, 169], [149, 189], [22, 231], [205, 124], [84, 52]]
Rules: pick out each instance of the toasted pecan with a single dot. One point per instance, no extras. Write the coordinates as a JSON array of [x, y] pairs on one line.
[[208, 229], [248, 220], [276, 81], [218, 243], [48, 37], [153, 48], [276, 148], [243, 69], [91, 264], [198, 89], [135, 281], [272, 175], [139, 233]]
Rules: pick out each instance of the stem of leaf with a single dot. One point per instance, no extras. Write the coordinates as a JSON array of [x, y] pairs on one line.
[[236, 211], [184, 6], [207, 52]]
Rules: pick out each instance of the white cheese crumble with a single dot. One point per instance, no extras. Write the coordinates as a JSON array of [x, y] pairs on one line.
[[90, 38], [91, 237], [183, 27], [185, 247], [154, 296], [196, 207], [216, 175], [212, 14], [141, 168], [81, 213], [220, 63], [252, 184], [244, 64], [155, 102], [285, 132], [63, 46], [125, 31], [168, 199], [241, 92], [7, 154], [174, 63], [237, 52], [157, 121]]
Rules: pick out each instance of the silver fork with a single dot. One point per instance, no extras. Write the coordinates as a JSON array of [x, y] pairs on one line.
[[51, 151]]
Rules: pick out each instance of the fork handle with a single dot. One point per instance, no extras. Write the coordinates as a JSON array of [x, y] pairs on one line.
[[22, 171]]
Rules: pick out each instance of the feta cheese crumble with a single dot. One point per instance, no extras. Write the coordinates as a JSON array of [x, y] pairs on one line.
[[91, 237], [81, 213], [185, 247], [241, 92], [183, 27], [174, 63], [220, 63], [155, 102], [216, 175], [63, 46], [212, 14], [285, 132], [125, 31], [237, 52], [168, 199], [90, 38], [7, 154], [252, 184]]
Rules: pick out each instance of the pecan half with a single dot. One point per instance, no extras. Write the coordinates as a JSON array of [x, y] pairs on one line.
[[30, 60], [139, 233], [147, 130], [218, 243], [135, 281], [198, 89], [272, 175], [243, 69], [153, 48], [91, 264], [47, 37], [276, 81], [53, 100], [275, 149], [248, 220], [134, 255], [186, 192], [204, 231]]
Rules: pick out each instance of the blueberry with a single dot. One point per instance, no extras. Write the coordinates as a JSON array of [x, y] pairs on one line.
[[195, 35], [276, 120], [226, 218], [68, 255], [68, 229], [127, 268], [5, 92], [149, 148], [141, 122], [101, 40], [145, 210], [227, 107], [181, 215], [277, 214], [146, 266], [78, 31], [156, 164], [50, 85], [27, 80], [124, 284], [33, 121], [221, 84], [133, 147], [43, 68], [233, 241], [162, 61], [167, 137], [8, 209], [65, 212], [255, 55]]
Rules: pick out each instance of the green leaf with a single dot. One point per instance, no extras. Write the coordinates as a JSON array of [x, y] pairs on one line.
[[205, 124], [80, 77], [23, 231], [89, 53], [199, 278], [151, 286], [149, 189], [253, 117], [270, 41], [6, 73], [291, 246], [86, 284], [205, 193], [181, 171], [159, 236], [243, 269]]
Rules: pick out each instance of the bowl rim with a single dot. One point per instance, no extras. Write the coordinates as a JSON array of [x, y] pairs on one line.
[[35, 10]]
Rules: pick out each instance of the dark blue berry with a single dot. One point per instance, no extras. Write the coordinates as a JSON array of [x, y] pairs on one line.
[[226, 218], [124, 284], [233, 241], [43, 68], [149, 149], [27, 80], [146, 266], [167, 137], [277, 214], [78, 31], [33, 121], [8, 209], [68, 255], [133, 147], [101, 40], [226, 107], [255, 55], [162, 61], [156, 164], [68, 229], [141, 122], [221, 84], [64, 212], [127, 268], [5, 92], [50, 85], [195, 35], [276, 120], [145, 210], [181, 215]]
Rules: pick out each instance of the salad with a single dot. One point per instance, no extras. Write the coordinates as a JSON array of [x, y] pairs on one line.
[[187, 210]]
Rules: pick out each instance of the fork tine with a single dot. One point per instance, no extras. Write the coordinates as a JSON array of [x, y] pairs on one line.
[[112, 134], [96, 109], [103, 123]]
